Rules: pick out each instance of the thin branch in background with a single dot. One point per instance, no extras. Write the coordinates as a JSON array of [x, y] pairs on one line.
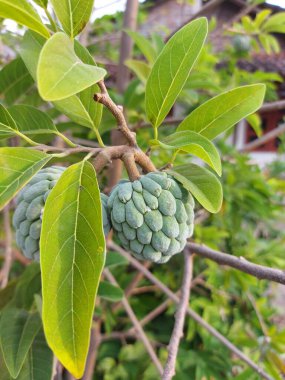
[[8, 248], [259, 316], [129, 289], [137, 325], [259, 271], [190, 312], [177, 333], [95, 341]]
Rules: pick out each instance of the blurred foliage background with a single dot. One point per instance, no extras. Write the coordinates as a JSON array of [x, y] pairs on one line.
[[250, 313]]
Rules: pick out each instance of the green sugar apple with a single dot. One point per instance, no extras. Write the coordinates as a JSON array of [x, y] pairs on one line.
[[152, 216], [27, 218], [241, 44]]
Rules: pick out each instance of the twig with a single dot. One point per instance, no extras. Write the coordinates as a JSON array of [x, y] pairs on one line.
[[190, 312], [95, 341], [105, 155], [129, 289], [177, 333], [240, 263], [117, 112], [8, 248], [259, 316], [137, 325]]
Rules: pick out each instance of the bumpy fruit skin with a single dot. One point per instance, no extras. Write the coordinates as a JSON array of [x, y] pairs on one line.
[[152, 216], [242, 44], [27, 218]]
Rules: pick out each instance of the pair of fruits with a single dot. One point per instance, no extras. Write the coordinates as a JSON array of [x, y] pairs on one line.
[[152, 216]]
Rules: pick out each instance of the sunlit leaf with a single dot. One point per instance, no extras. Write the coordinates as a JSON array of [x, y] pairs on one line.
[[59, 70], [81, 107], [202, 184], [72, 249], [144, 45], [223, 111], [172, 68], [17, 167], [73, 14], [196, 144], [140, 68], [23, 13]]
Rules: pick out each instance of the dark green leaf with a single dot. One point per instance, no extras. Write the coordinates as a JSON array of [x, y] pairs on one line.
[[115, 259], [110, 292], [18, 329], [15, 80]]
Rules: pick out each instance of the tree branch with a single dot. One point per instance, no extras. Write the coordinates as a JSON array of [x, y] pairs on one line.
[[117, 112], [240, 263], [190, 312], [137, 325], [177, 333]]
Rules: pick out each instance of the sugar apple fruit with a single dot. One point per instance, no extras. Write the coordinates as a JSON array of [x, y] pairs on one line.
[[27, 218], [152, 216], [241, 44]]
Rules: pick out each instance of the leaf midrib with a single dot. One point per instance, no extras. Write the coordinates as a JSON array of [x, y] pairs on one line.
[[73, 260], [177, 72]]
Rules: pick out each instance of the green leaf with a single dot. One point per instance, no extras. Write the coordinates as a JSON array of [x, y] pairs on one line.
[[144, 45], [29, 284], [18, 329], [8, 126], [172, 68], [30, 49], [7, 293], [261, 17], [110, 292], [23, 13], [59, 69], [31, 121], [73, 14], [255, 122], [202, 184], [80, 108], [223, 111], [115, 259], [274, 21], [72, 247], [17, 167], [140, 68], [38, 364], [193, 143], [42, 3], [15, 80]]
